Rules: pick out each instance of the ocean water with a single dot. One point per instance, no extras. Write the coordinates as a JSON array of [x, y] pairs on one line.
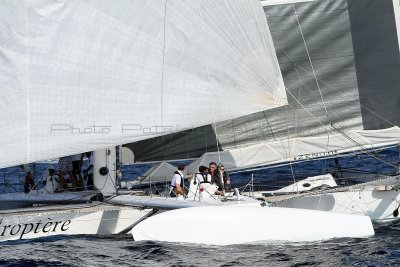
[[381, 250]]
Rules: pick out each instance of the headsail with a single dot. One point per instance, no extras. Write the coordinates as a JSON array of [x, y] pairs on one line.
[[84, 75], [357, 81]]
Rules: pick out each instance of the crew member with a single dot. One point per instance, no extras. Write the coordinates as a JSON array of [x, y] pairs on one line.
[[29, 184], [177, 185]]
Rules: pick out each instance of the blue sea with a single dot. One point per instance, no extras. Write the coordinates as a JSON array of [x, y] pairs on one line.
[[381, 250]]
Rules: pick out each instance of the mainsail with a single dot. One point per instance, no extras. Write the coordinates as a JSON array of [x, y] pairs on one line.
[[83, 75], [354, 49]]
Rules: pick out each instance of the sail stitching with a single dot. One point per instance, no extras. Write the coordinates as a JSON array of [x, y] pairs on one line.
[[27, 81], [290, 157], [209, 80], [330, 86], [163, 64], [362, 147], [313, 70], [309, 58]]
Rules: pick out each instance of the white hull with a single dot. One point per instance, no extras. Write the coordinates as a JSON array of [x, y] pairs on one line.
[[377, 199], [45, 198], [84, 219], [236, 225], [378, 205]]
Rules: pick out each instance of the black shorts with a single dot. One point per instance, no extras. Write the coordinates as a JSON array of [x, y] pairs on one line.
[[76, 165]]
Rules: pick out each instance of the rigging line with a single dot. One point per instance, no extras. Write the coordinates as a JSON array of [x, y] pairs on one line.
[[234, 133], [307, 111], [362, 148], [365, 151], [336, 128], [209, 80], [281, 164], [315, 76], [290, 159], [168, 146], [379, 116], [272, 132], [309, 58], [264, 134], [187, 145], [398, 159], [205, 137], [269, 126], [306, 86], [289, 148], [301, 84], [330, 86], [300, 87]]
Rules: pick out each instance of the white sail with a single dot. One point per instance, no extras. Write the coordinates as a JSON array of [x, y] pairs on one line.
[[298, 149], [83, 75], [160, 172], [357, 83]]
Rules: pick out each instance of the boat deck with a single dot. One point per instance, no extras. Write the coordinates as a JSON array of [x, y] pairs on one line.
[[57, 209]]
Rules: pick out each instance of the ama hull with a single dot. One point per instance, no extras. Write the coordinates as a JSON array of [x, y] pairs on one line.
[[378, 205], [89, 219], [238, 225]]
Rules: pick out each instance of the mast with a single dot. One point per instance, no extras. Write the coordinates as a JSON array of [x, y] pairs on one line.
[[105, 170]]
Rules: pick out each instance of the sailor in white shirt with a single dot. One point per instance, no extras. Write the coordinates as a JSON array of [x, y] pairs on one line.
[[177, 185], [203, 176]]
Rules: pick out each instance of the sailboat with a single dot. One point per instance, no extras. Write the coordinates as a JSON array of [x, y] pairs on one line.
[[87, 75], [340, 65], [188, 215]]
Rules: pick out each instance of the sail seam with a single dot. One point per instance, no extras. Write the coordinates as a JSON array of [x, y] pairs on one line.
[[209, 80], [309, 58], [330, 86], [346, 137], [163, 66], [290, 149], [313, 70], [28, 104]]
